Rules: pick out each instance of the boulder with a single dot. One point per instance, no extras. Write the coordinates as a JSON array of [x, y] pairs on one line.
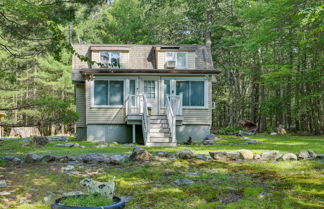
[[58, 138], [48, 158], [256, 157], [63, 159], [253, 141], [67, 168], [306, 155], [184, 181], [232, 155], [117, 159], [3, 183], [203, 157], [245, 154], [105, 189], [288, 156], [211, 137], [162, 154], [39, 141], [140, 154], [32, 158], [273, 134], [209, 141], [185, 154], [270, 155], [320, 156], [94, 158]]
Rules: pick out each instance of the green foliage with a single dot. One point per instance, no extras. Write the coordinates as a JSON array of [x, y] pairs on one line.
[[230, 129], [86, 201]]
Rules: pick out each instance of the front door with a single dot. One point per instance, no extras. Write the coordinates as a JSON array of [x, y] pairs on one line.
[[149, 87]]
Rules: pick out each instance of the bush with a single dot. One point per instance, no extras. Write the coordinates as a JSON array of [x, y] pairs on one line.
[[230, 129]]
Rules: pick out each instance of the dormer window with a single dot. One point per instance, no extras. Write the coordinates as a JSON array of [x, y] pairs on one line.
[[179, 58], [110, 59]]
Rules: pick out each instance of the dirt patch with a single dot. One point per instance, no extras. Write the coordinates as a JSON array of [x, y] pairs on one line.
[[230, 198]]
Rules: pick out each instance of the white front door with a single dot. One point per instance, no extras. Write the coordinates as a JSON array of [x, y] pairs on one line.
[[149, 87]]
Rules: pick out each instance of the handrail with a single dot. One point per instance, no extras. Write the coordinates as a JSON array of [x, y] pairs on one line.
[[171, 119], [146, 121]]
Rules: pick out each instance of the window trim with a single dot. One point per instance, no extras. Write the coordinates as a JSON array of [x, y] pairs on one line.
[[176, 61], [173, 81], [110, 51]]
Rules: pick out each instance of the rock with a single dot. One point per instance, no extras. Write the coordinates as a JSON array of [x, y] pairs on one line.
[[68, 168], [48, 158], [245, 138], [69, 145], [82, 146], [185, 154], [162, 154], [140, 154], [320, 156], [32, 158], [95, 158], [4, 193], [256, 157], [48, 198], [209, 141], [270, 155], [39, 141], [246, 154], [105, 189], [13, 159], [203, 157], [184, 181], [117, 159], [306, 155], [273, 134], [211, 137], [3, 183], [127, 198], [58, 138], [288, 156], [251, 142], [67, 194], [262, 195], [193, 174], [60, 145]]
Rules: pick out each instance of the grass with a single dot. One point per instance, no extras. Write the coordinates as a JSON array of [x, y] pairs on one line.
[[86, 201], [298, 184]]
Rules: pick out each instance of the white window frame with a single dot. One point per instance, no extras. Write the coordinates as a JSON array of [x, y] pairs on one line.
[[173, 81], [109, 61], [176, 61], [125, 93]]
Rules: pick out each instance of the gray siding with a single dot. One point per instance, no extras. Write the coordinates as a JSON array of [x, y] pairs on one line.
[[80, 105]]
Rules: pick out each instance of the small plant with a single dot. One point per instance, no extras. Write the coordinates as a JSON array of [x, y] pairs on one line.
[[230, 129], [86, 201]]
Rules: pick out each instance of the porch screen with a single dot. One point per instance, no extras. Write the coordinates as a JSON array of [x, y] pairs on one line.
[[192, 92], [108, 92]]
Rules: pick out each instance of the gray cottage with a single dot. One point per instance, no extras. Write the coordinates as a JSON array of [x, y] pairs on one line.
[[157, 95]]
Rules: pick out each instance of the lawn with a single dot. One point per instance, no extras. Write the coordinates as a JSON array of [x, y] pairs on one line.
[[298, 184]]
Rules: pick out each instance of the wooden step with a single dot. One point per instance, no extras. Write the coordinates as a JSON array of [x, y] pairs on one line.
[[160, 139], [160, 134], [160, 130], [159, 125], [158, 121]]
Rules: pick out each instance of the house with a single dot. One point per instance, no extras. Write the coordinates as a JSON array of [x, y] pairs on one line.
[[155, 94]]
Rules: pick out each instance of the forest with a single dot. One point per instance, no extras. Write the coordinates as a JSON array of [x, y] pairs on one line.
[[270, 53]]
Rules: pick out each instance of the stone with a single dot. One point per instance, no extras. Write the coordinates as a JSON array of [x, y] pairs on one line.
[[203, 157], [246, 154], [117, 159], [94, 158], [69, 144], [162, 154], [184, 181], [4, 193], [262, 195], [14, 160], [245, 138], [48, 158], [3, 183], [48, 198], [288, 156], [67, 194], [253, 141], [32, 158], [273, 134], [67, 168], [58, 138], [105, 189], [256, 157], [320, 156], [306, 155], [39, 141], [185, 154], [127, 198], [140, 154], [211, 137], [270, 155], [209, 141], [193, 174], [60, 145]]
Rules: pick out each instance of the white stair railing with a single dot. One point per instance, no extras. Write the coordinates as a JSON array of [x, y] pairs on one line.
[[145, 121], [171, 119]]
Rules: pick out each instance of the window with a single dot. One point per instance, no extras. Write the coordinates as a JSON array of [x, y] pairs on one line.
[[109, 92], [132, 90], [166, 89], [180, 59], [149, 89], [110, 59], [193, 92]]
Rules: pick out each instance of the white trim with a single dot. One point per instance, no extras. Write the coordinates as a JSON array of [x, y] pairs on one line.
[[176, 57]]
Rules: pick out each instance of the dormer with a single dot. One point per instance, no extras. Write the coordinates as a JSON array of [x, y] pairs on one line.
[[175, 57], [115, 57]]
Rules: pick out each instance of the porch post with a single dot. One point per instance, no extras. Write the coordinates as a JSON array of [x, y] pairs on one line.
[[134, 133]]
